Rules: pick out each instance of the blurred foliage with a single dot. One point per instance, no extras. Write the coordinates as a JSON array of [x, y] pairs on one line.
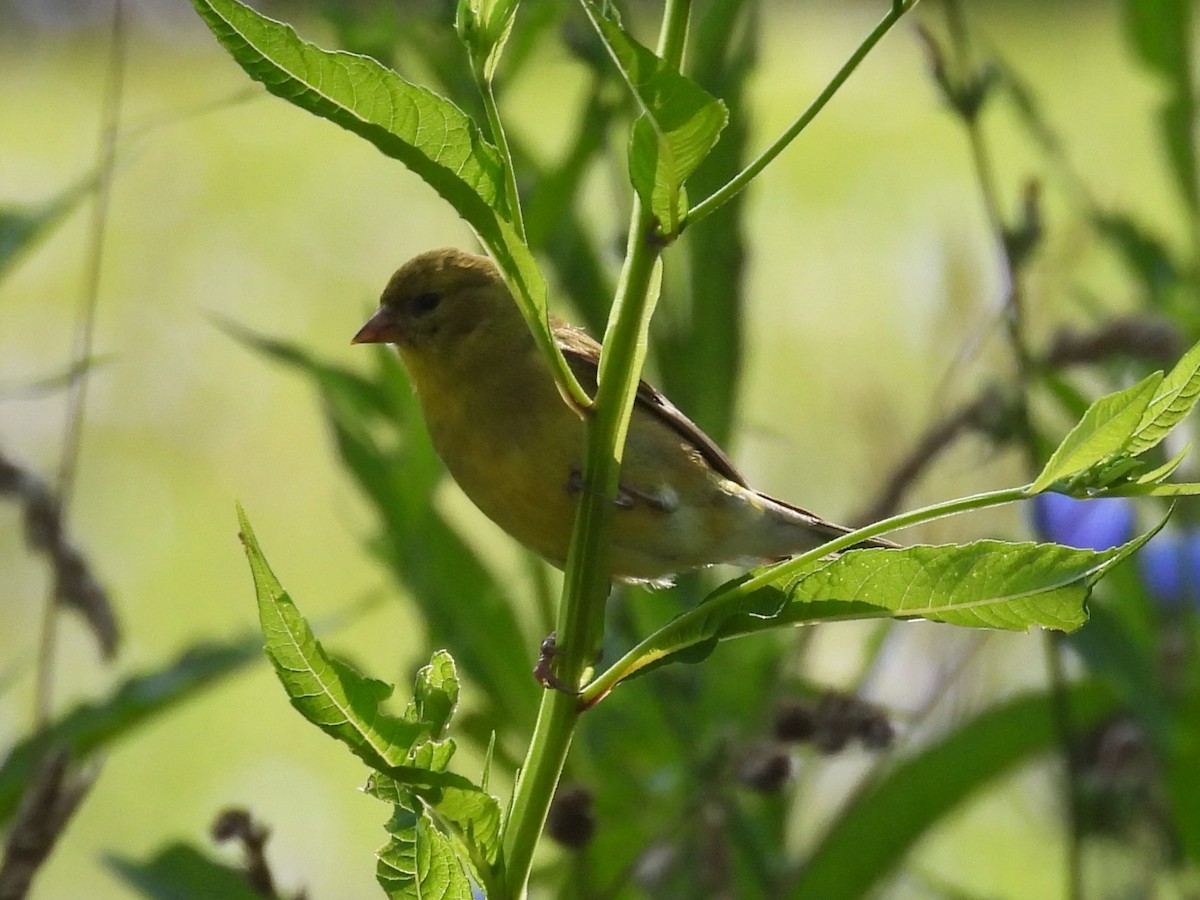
[[692, 790]]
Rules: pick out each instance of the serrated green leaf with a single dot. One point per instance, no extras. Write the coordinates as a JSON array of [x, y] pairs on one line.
[[426, 132], [986, 584], [433, 755], [409, 762], [96, 725], [472, 813], [475, 814], [1105, 429], [1172, 401], [379, 436], [680, 122], [419, 862], [341, 702], [422, 784]]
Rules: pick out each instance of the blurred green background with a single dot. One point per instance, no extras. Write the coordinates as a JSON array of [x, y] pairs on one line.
[[870, 272]]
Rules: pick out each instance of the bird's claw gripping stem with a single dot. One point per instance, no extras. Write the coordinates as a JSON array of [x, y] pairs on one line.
[[544, 670]]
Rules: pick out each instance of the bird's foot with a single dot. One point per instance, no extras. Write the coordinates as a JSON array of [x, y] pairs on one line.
[[544, 670], [664, 500]]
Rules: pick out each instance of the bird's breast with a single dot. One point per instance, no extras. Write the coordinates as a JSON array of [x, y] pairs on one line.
[[512, 453]]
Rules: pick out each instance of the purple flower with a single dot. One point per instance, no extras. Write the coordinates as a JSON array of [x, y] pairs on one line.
[[1085, 524], [1170, 567]]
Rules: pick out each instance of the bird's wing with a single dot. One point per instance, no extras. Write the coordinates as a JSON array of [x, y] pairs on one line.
[[583, 354]]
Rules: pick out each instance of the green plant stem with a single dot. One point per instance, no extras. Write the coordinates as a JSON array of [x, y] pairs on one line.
[[501, 140], [713, 202], [586, 583], [672, 37], [543, 592], [1014, 316], [639, 656], [1060, 700], [885, 526]]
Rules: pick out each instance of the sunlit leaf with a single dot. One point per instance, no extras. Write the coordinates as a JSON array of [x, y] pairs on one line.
[[419, 862], [409, 759], [680, 122], [473, 813], [327, 692], [428, 133], [1173, 400], [1166, 470], [986, 584], [435, 694], [384, 445], [1101, 450], [1105, 429], [1166, 489]]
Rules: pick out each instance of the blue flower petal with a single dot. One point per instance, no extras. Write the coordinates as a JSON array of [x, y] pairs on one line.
[[1162, 565], [1085, 524], [1191, 567]]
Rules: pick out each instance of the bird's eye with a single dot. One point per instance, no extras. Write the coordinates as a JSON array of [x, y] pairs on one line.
[[424, 303]]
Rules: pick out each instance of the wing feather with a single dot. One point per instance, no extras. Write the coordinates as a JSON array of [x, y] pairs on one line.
[[583, 354]]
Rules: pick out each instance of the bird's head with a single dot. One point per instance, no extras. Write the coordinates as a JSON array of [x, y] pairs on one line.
[[437, 300]]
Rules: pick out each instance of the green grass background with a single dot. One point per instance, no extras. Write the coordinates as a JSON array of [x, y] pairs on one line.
[[871, 270]]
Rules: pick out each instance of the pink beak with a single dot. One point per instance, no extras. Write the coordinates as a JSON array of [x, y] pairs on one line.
[[380, 329]]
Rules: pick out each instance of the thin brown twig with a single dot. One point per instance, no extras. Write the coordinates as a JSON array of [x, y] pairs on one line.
[[236, 824], [47, 806], [937, 439], [82, 348], [1015, 238], [73, 585], [1138, 337], [1135, 337]]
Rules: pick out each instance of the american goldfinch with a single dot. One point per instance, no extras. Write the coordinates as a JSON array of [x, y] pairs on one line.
[[515, 447]]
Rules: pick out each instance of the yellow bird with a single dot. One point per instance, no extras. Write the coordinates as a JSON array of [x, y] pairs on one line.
[[498, 422]]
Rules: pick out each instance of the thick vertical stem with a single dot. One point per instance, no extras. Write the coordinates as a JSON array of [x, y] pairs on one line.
[[586, 584]]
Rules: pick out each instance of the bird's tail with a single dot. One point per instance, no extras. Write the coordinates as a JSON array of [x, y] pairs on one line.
[[797, 530]]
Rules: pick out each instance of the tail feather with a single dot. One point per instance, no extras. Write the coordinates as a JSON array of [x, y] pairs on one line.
[[821, 530]]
